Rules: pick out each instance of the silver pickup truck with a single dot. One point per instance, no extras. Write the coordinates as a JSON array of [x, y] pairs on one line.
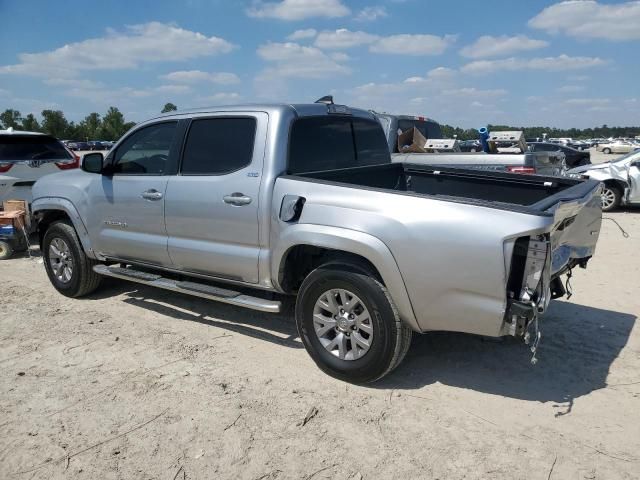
[[528, 162], [254, 205]]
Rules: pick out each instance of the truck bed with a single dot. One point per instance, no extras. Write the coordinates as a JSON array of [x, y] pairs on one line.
[[530, 193]]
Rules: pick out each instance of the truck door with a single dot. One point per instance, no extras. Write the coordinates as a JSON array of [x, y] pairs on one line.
[[127, 220], [212, 205]]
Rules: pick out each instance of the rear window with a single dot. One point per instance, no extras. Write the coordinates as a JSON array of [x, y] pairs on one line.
[[330, 142], [31, 147]]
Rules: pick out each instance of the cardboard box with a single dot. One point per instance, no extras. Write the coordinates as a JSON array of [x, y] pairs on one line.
[[12, 222], [412, 141], [18, 206]]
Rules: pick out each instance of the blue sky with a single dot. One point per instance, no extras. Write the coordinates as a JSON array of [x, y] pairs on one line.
[[466, 63]]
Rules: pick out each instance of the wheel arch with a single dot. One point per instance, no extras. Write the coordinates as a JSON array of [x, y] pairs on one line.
[[302, 248], [50, 210]]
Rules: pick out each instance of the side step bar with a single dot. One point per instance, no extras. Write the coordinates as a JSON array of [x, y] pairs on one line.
[[190, 288]]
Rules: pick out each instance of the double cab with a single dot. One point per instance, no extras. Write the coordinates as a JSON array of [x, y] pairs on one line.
[[260, 206]]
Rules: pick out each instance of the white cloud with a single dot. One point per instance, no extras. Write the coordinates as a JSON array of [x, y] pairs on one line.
[[303, 34], [559, 63], [369, 14], [343, 38], [298, 9], [138, 44], [590, 19], [73, 83], [571, 88], [474, 92], [175, 89], [415, 45], [297, 61], [197, 76], [488, 46], [587, 101], [221, 98], [339, 56]]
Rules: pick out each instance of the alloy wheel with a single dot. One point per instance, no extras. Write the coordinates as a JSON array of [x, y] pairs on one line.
[[343, 324], [61, 260]]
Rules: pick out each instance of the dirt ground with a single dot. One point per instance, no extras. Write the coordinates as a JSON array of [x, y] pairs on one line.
[[137, 383]]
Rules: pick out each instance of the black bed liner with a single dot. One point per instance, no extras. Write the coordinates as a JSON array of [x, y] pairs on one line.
[[533, 194]]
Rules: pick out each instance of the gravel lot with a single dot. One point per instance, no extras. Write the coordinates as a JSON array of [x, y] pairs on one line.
[[139, 383]]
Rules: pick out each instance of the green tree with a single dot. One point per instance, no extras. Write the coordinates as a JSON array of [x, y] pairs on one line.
[[113, 125], [11, 118], [54, 123], [169, 107], [30, 123], [91, 126]]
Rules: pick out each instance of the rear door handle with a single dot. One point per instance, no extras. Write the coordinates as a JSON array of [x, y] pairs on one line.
[[238, 199], [152, 194]]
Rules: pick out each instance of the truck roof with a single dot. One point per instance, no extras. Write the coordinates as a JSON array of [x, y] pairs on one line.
[[11, 131], [300, 109]]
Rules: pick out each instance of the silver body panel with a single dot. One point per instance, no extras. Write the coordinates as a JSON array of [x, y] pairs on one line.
[[444, 269]]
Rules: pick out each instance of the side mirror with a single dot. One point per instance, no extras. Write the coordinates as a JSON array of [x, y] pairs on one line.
[[93, 162], [635, 164]]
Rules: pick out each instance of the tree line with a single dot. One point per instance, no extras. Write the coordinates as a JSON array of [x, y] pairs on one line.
[[112, 125], [537, 132]]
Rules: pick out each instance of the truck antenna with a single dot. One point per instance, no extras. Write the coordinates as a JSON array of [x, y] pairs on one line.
[[327, 99]]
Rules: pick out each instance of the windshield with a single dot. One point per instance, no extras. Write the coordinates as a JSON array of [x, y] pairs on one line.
[[31, 147]]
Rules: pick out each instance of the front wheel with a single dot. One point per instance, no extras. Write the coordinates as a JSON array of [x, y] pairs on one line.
[[349, 325], [606, 150], [610, 199], [69, 269]]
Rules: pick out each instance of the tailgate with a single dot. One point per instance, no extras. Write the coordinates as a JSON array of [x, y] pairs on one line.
[[577, 218]]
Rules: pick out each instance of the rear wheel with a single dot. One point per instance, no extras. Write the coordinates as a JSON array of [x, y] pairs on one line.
[[349, 325], [6, 250], [610, 198], [69, 269], [606, 150]]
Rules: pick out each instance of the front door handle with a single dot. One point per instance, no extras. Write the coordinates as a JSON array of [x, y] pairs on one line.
[[152, 194], [238, 199]]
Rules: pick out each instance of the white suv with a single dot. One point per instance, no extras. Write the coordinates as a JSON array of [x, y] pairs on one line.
[[27, 156]]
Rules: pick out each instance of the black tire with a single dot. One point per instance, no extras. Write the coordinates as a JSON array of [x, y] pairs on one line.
[[83, 279], [391, 337], [606, 150], [6, 250]]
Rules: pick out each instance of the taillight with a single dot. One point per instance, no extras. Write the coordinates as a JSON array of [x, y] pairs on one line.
[[524, 170], [69, 164], [73, 162], [5, 167]]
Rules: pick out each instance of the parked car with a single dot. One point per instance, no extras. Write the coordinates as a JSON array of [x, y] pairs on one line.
[[252, 204], [573, 157], [27, 156], [78, 145], [617, 147], [470, 146], [621, 179]]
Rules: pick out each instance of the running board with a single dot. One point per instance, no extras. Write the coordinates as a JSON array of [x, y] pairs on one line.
[[190, 288]]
